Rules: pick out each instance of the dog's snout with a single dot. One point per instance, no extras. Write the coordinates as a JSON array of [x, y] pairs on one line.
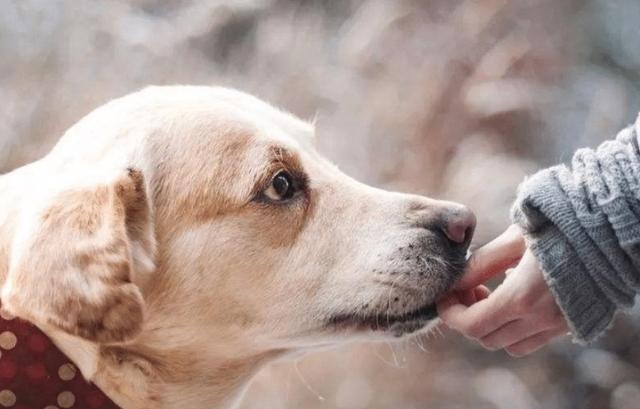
[[459, 224]]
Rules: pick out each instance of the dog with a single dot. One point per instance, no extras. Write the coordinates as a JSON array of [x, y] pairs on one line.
[[179, 238]]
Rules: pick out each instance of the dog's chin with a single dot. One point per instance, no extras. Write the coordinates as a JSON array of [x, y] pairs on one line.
[[395, 325]]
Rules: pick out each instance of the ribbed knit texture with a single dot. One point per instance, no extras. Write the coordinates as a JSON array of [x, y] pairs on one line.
[[583, 225]]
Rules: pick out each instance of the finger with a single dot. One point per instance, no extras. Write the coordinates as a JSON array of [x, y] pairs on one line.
[[473, 295], [481, 292], [477, 320], [448, 301], [493, 258], [512, 333], [533, 343], [467, 297]]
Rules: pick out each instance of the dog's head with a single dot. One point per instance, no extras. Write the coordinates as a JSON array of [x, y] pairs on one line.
[[208, 211]]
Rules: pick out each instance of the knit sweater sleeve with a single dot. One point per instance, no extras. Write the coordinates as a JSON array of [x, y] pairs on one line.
[[582, 222]]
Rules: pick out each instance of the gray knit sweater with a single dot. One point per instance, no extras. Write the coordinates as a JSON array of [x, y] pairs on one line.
[[583, 224]]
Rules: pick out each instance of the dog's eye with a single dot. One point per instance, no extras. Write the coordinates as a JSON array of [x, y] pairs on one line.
[[281, 187]]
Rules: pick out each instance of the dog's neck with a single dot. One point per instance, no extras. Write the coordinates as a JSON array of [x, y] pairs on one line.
[[173, 366]]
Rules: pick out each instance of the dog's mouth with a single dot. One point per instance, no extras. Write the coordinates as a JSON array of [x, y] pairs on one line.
[[424, 278], [397, 325]]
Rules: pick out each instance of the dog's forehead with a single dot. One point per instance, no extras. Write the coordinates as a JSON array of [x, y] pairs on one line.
[[237, 123], [230, 108], [291, 126], [240, 124]]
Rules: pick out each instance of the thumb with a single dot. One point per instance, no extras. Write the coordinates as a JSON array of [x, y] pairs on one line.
[[493, 258]]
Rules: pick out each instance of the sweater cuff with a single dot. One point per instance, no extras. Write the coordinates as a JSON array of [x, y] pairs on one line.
[[587, 310]]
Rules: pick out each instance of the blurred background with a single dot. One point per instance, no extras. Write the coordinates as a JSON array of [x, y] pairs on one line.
[[457, 99]]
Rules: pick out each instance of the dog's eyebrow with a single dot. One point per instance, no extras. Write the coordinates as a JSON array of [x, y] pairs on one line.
[[279, 158]]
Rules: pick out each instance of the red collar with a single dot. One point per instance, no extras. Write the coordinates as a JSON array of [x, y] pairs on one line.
[[35, 374]]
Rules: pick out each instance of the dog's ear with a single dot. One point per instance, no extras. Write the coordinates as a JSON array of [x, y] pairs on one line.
[[73, 263]]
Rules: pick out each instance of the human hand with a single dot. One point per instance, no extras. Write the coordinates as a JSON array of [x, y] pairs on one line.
[[520, 316]]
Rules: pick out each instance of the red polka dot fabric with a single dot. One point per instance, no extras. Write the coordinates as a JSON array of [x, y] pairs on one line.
[[34, 374]]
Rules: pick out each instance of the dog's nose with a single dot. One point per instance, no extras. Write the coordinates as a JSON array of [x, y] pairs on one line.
[[459, 225]]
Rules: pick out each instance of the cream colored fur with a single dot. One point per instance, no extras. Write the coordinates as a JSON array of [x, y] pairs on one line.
[[143, 247]]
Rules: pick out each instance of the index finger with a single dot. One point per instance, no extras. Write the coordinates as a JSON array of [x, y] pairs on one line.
[[493, 258], [477, 320]]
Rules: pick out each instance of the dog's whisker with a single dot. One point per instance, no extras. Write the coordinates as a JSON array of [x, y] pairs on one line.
[[396, 363], [389, 297], [393, 355], [419, 344], [306, 384], [382, 359]]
